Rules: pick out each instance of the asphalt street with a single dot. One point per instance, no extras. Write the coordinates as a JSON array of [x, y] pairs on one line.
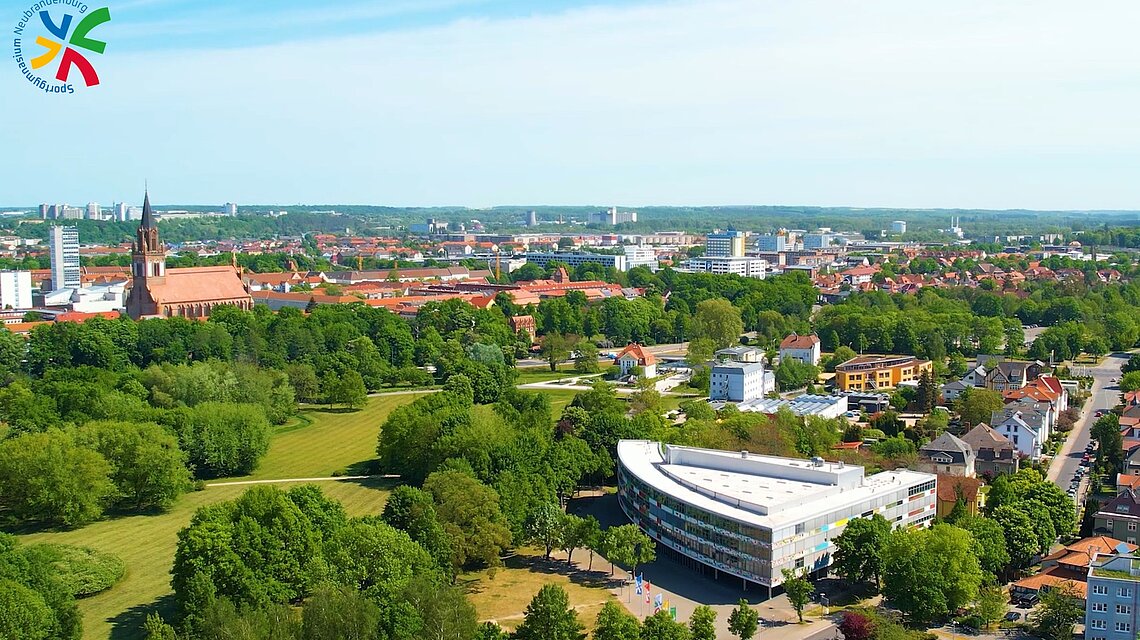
[[1105, 395]]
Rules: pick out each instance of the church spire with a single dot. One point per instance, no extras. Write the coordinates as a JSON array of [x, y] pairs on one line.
[[147, 214]]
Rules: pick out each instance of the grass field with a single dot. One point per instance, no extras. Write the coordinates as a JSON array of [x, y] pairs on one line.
[[504, 598], [314, 446], [528, 375]]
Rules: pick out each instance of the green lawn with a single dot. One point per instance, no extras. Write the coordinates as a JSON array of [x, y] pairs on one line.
[[528, 375], [314, 446]]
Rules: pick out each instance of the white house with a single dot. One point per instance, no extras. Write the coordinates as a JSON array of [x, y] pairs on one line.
[[802, 348], [1026, 439], [740, 381], [635, 355]]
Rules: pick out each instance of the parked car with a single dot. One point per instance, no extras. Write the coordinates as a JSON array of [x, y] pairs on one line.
[[1012, 616], [1099, 412]]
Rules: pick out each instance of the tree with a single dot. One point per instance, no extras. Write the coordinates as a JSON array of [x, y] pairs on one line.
[[586, 360], [614, 623], [743, 621], [555, 348], [718, 320], [991, 605], [989, 541], [662, 626], [347, 390], [928, 573], [46, 477], [412, 510], [799, 589], [856, 626], [1110, 442], [23, 613], [549, 617], [976, 405], [700, 351], [927, 392], [1059, 612], [1021, 541], [546, 526], [147, 466], [842, 354], [578, 532], [859, 549], [793, 374], [628, 546], [702, 624], [157, 629], [471, 516], [340, 614], [1130, 381], [490, 630], [223, 439]]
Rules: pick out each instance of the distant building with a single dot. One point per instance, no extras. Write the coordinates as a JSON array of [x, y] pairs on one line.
[[190, 292], [804, 405], [754, 516], [898, 226], [44, 210], [802, 348], [741, 266], [1027, 439], [771, 243], [15, 289], [725, 244], [64, 247], [817, 241], [430, 227], [532, 218], [739, 353], [93, 211], [575, 258], [613, 217], [637, 256], [230, 209], [740, 381], [635, 355], [867, 373], [119, 212]]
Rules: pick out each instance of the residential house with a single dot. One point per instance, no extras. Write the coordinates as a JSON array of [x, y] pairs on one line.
[[1068, 567], [635, 355], [954, 488], [946, 455], [951, 391], [1027, 441], [1120, 517], [994, 453], [1009, 374], [739, 353], [802, 348]]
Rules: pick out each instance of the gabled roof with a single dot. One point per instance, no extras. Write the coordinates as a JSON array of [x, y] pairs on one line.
[[799, 342], [197, 284], [1127, 481], [947, 442], [950, 487], [983, 437], [1079, 553], [1126, 503], [643, 356]]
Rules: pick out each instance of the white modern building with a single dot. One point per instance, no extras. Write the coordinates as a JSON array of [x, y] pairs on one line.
[[817, 241], [1112, 600], [230, 209], [640, 256], [15, 289], [740, 381], [612, 217], [749, 515], [803, 405], [64, 242], [725, 244], [576, 258], [803, 348], [898, 226], [743, 266]]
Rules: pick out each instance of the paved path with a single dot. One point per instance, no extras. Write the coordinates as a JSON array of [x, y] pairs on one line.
[[1104, 395], [236, 483]]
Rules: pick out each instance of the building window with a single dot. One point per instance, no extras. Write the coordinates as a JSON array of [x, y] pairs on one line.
[[1124, 592], [1100, 590], [1108, 523], [1123, 627], [1100, 607], [1131, 526], [1098, 624], [1124, 609]]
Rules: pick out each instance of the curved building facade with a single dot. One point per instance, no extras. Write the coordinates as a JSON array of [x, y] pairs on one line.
[[752, 516]]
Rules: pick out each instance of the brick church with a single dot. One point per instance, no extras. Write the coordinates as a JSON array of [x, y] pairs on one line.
[[158, 292]]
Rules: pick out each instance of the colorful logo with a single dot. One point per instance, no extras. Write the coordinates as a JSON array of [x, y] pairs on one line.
[[63, 48]]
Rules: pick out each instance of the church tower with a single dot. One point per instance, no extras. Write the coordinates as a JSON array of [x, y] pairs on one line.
[[148, 258]]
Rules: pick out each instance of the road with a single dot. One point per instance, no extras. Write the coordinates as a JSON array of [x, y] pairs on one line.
[[671, 349], [1105, 395]]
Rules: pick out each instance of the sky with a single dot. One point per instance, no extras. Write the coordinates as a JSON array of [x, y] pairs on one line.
[[995, 104]]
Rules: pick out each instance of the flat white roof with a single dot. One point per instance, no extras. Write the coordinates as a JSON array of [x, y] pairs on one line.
[[764, 491]]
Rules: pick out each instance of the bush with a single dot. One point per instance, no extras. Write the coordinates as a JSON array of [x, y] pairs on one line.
[[83, 571]]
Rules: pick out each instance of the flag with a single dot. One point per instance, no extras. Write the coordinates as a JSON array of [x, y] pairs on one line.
[[647, 586], [657, 602], [638, 580], [647, 598]]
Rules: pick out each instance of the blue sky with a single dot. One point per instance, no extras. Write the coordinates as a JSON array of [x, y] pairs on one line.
[[1023, 103]]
